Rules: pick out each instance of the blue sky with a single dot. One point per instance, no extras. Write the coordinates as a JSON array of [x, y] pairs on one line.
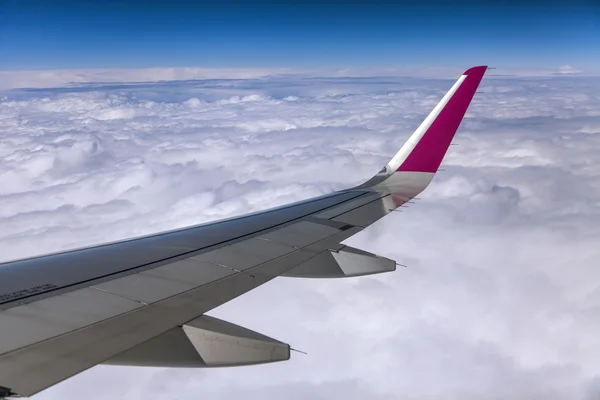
[[90, 34]]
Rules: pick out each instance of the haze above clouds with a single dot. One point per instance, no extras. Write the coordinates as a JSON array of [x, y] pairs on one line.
[[11, 79], [502, 295]]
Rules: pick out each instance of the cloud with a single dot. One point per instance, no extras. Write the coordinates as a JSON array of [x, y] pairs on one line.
[[229, 77], [501, 295], [569, 70]]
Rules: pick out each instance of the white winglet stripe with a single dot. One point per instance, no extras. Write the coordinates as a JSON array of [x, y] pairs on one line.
[[414, 139]]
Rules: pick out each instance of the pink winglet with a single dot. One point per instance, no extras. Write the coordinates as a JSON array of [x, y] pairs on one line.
[[429, 152]]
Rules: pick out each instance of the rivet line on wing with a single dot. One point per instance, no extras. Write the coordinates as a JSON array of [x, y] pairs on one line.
[[217, 264], [271, 240], [120, 295]]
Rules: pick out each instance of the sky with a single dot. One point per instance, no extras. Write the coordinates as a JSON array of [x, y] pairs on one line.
[[119, 119], [64, 34]]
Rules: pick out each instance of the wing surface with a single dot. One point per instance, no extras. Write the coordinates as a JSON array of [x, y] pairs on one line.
[[143, 301]]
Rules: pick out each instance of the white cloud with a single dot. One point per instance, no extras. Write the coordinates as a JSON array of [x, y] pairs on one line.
[[228, 77], [500, 299], [569, 70]]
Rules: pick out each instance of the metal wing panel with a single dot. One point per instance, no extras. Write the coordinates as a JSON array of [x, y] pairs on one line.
[[170, 292], [150, 301], [143, 288], [246, 254], [26, 280], [28, 324], [349, 205], [31, 369], [368, 213], [189, 270], [300, 234]]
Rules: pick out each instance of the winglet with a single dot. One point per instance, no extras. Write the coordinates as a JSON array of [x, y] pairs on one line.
[[425, 149]]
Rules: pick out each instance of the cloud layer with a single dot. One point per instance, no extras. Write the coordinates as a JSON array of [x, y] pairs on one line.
[[502, 295], [73, 77]]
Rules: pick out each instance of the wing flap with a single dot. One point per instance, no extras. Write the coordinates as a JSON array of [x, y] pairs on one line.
[[30, 323]]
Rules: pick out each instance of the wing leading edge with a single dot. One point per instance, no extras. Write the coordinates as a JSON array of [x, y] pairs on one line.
[[142, 301]]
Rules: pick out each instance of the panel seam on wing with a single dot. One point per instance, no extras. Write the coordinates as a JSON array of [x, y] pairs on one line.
[[119, 295]]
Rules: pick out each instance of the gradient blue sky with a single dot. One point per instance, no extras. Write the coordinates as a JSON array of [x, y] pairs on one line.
[[37, 34]]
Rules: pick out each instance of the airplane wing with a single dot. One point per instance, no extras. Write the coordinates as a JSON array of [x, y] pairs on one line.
[[143, 301]]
